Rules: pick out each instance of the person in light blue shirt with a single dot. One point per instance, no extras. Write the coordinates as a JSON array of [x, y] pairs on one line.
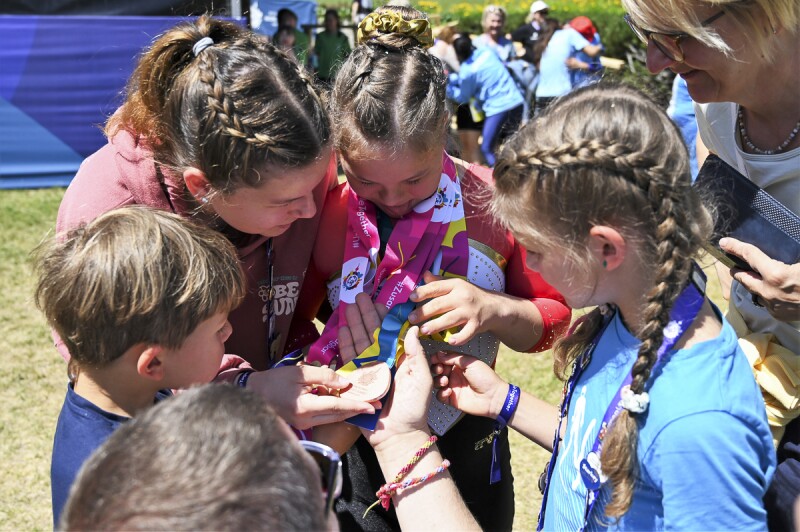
[[681, 111], [554, 74], [484, 78], [493, 22], [584, 68]]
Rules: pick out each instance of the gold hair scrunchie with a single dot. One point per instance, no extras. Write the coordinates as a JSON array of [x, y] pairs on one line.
[[417, 28]]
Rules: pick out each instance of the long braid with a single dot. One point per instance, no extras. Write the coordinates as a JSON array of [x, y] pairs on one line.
[[673, 260], [626, 166]]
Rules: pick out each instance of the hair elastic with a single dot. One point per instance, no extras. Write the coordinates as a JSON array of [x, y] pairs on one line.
[[392, 22], [635, 403], [201, 45]]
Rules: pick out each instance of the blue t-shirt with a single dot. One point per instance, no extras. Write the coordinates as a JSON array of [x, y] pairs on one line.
[[581, 78], [681, 111], [504, 48], [82, 427], [485, 78], [705, 450], [554, 76]]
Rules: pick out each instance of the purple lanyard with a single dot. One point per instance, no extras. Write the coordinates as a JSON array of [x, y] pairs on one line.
[[682, 315]]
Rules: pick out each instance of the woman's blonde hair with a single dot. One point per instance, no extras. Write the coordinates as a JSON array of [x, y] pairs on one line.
[[606, 155], [493, 9], [134, 275], [755, 19]]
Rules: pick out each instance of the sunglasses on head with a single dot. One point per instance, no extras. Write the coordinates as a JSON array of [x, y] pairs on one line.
[[330, 468], [668, 43]]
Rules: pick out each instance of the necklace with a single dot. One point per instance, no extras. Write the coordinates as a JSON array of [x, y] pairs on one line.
[[749, 143]]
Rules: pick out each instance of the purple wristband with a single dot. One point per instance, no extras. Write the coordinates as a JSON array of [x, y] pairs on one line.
[[510, 406], [241, 378]]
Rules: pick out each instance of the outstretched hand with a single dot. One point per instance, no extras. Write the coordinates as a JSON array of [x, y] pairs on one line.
[[298, 395], [774, 285], [363, 318], [468, 384], [406, 410]]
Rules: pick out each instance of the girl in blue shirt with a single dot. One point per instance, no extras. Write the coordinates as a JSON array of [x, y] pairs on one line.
[[484, 78], [661, 425]]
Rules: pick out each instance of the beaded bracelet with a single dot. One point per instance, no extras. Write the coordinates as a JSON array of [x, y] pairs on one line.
[[386, 491]]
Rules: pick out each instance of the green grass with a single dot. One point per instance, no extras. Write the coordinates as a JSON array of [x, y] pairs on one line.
[[33, 377]]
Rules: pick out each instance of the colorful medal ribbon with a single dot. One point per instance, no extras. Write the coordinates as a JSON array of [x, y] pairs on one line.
[[431, 237]]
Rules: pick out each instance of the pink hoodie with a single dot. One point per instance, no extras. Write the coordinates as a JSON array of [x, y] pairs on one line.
[[123, 173]]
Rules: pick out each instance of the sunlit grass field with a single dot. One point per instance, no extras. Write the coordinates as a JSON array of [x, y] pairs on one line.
[[33, 378]]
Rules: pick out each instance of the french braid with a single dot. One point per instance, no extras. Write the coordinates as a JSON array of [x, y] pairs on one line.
[[625, 165], [234, 110], [390, 92]]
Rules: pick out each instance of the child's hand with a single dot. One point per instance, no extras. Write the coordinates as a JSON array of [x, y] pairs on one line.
[[452, 303], [406, 410], [363, 318], [468, 384], [293, 391]]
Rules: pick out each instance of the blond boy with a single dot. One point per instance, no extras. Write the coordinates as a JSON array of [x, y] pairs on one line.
[[141, 299]]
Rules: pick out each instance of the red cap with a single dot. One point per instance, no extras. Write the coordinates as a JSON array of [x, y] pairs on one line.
[[584, 26]]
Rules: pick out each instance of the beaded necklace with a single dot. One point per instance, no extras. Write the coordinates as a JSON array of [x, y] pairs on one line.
[[749, 143]]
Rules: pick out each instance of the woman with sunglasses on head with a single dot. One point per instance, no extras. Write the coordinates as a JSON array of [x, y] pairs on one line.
[[220, 126], [740, 61]]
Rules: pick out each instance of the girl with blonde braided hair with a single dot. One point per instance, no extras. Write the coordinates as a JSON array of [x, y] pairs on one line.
[[660, 425], [220, 126], [419, 239]]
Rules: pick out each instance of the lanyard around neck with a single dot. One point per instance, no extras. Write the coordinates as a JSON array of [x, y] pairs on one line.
[[683, 313]]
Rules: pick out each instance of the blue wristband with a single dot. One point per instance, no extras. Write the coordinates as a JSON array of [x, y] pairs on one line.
[[510, 406], [241, 378]]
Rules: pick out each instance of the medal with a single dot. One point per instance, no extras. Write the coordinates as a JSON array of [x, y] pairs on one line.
[[370, 383]]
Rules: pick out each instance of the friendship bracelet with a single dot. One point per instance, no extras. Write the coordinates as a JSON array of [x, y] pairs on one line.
[[414, 459], [241, 378], [510, 406], [386, 491]]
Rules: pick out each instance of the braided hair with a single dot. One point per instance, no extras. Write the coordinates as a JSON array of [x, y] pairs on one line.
[[390, 91], [606, 155], [234, 109]]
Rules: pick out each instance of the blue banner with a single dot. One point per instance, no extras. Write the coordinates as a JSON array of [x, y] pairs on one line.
[[61, 77]]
